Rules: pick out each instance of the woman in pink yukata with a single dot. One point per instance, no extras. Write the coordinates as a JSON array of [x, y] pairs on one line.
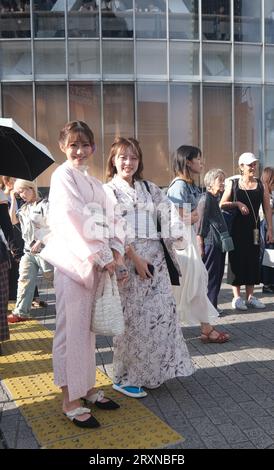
[[79, 250]]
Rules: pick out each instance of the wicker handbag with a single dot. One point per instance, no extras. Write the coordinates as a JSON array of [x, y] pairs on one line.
[[107, 316]]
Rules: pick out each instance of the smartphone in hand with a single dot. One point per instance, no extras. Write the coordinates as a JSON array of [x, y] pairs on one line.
[[150, 268]]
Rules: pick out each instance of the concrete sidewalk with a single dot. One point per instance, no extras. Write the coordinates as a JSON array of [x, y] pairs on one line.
[[228, 403]]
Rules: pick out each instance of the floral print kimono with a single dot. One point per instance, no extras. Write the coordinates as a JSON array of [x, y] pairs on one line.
[[152, 349]]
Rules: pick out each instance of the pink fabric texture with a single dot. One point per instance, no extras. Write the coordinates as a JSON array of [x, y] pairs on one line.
[[76, 253], [71, 245]]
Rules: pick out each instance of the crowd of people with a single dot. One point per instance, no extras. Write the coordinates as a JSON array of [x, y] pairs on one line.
[[147, 229]]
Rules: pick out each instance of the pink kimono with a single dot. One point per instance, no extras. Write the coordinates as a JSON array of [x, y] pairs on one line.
[[81, 237]]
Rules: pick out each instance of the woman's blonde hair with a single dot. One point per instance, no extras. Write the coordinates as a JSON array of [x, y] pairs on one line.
[[25, 184]]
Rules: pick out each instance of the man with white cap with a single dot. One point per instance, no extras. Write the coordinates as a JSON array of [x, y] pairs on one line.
[[246, 194]]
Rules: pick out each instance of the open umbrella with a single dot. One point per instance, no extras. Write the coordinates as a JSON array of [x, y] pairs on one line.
[[21, 156]]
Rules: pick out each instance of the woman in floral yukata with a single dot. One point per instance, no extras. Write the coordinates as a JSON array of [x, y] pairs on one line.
[[152, 349], [79, 252]]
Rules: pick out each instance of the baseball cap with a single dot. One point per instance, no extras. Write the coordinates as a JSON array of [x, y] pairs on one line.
[[247, 158]]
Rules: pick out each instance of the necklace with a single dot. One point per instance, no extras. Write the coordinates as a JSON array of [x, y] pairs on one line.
[[245, 186]]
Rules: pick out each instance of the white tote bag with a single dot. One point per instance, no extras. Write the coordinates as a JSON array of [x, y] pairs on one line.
[[107, 316], [268, 258]]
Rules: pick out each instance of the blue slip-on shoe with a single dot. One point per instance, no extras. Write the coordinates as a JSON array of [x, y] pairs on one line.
[[130, 390]]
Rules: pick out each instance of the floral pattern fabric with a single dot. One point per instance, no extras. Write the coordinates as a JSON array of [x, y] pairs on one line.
[[152, 349]]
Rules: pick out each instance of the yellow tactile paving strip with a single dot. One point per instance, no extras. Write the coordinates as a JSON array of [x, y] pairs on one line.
[[26, 370]]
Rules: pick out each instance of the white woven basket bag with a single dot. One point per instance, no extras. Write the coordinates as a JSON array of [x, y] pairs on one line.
[[107, 316]]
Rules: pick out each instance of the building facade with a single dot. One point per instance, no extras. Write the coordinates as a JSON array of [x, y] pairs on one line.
[[169, 72]]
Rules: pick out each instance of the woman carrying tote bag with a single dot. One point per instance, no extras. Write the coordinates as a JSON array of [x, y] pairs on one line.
[[193, 304]]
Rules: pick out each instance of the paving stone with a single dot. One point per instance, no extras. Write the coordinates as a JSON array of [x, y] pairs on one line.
[[242, 445], [204, 400], [218, 416], [193, 412], [243, 420], [216, 391], [259, 438], [204, 426], [216, 442], [203, 378], [266, 423], [264, 401], [237, 393], [228, 403], [231, 432], [253, 409], [269, 411], [27, 444]]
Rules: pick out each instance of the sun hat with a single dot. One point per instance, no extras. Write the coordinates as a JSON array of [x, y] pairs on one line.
[[247, 158]]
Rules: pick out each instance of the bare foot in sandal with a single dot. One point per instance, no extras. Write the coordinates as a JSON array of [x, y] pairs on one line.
[[78, 415], [214, 336]]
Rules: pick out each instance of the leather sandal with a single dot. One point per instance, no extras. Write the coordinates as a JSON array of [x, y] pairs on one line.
[[221, 338], [14, 318], [96, 399], [91, 422]]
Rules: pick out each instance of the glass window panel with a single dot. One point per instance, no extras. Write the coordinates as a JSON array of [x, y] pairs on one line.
[[49, 18], [248, 62], [85, 105], [183, 19], [152, 112], [83, 59], [145, 50], [184, 59], [216, 20], [17, 103], [83, 19], [216, 60], [15, 19], [49, 59], [118, 113], [150, 19], [184, 121], [15, 60], [217, 131], [248, 119], [269, 21], [117, 19], [51, 116], [269, 126], [118, 58], [269, 63], [247, 21]]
